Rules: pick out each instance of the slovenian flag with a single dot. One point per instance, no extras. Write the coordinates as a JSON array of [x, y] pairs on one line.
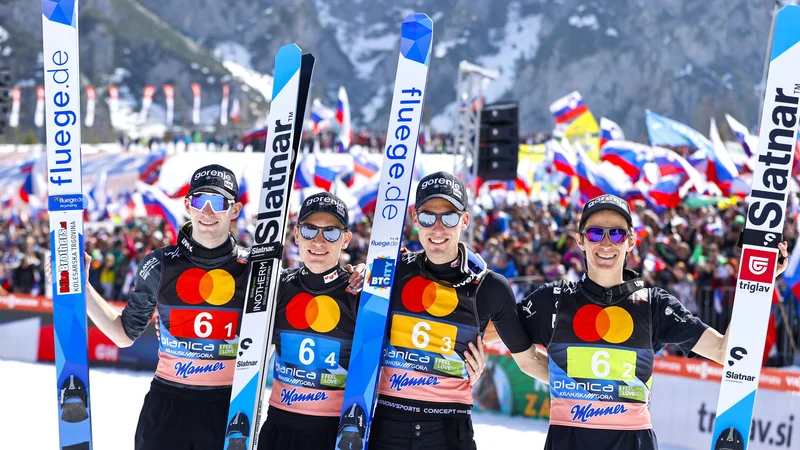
[[157, 203], [151, 169], [629, 156], [562, 161], [324, 176], [368, 198], [320, 115], [343, 117], [363, 166], [610, 131], [304, 174], [568, 108]]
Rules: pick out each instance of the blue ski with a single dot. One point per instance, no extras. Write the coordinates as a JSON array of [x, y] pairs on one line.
[[387, 231], [65, 204]]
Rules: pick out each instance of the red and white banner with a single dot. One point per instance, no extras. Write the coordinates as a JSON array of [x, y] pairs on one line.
[[147, 100], [90, 99], [223, 116], [169, 94], [13, 119], [38, 115], [113, 104], [196, 106]]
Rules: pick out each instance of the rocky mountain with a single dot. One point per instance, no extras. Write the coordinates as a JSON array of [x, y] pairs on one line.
[[684, 59]]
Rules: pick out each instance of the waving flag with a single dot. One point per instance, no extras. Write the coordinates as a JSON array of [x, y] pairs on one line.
[[348, 177], [629, 156], [364, 166], [156, 203], [666, 192], [609, 131], [368, 197], [742, 134], [721, 169], [244, 196], [151, 169], [343, 117], [792, 274], [562, 161], [223, 108], [671, 163], [97, 209], [568, 108], [585, 170], [304, 174], [324, 176], [320, 115]]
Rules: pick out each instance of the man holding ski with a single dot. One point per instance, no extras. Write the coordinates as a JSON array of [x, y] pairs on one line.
[[313, 333], [442, 300], [602, 334], [196, 288]]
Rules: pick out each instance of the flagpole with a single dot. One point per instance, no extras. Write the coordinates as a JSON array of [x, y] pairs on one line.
[[766, 64]]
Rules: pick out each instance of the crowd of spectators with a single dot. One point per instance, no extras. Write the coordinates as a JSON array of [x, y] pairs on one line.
[[690, 252]]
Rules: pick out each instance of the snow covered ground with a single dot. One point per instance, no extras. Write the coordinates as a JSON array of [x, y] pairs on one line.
[[117, 396]]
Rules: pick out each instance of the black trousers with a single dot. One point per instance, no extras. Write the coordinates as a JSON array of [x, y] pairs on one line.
[[441, 434], [182, 419], [285, 430]]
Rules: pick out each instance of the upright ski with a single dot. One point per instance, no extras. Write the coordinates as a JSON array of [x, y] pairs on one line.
[[762, 233], [292, 81], [387, 231], [65, 203]]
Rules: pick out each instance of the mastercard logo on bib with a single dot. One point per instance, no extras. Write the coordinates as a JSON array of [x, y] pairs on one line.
[[420, 295], [196, 286], [613, 324], [320, 313]]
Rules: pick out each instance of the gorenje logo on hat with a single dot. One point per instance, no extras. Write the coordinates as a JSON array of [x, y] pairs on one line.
[[441, 181], [213, 173], [608, 199]]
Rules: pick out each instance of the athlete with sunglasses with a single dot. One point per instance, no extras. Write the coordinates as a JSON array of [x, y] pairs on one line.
[[441, 302], [313, 334], [196, 289], [602, 334]]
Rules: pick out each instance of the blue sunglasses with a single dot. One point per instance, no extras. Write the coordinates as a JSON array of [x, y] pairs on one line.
[[218, 203]]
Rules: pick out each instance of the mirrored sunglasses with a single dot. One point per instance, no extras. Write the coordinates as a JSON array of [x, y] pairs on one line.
[[330, 234], [428, 219], [596, 234]]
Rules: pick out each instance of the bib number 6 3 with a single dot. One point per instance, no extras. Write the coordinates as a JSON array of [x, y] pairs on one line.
[[421, 334]]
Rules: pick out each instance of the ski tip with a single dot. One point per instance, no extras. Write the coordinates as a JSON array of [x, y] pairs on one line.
[[308, 58], [287, 63], [63, 11], [417, 38], [787, 30]]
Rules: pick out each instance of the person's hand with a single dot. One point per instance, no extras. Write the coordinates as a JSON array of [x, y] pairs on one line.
[[476, 361], [48, 267], [783, 249], [356, 279]]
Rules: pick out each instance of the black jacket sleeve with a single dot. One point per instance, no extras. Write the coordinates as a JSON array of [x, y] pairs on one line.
[[673, 323], [495, 302], [537, 312], [143, 298]]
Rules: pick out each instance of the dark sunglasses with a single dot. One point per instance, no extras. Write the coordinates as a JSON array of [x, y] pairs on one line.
[[218, 203], [449, 219], [330, 234], [596, 234]]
